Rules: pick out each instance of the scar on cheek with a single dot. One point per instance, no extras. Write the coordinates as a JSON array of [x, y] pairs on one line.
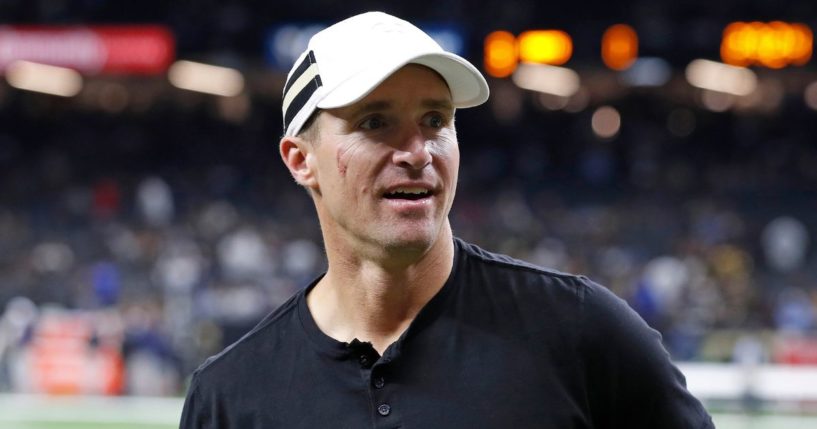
[[344, 154], [341, 163]]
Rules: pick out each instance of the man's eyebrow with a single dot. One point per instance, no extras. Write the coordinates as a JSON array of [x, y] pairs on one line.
[[437, 104], [374, 106], [380, 105]]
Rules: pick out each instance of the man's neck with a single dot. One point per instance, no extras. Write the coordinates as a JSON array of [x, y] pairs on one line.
[[375, 301]]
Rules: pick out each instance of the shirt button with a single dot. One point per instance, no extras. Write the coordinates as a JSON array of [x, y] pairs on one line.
[[384, 410], [379, 382]]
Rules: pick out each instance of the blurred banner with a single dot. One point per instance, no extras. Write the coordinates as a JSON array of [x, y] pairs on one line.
[[137, 49], [73, 352]]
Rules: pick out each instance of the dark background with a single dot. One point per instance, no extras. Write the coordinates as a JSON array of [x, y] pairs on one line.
[[671, 213]]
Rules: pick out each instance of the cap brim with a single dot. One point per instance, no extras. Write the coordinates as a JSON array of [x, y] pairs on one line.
[[468, 87]]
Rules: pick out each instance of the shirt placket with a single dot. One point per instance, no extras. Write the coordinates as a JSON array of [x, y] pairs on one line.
[[374, 372]]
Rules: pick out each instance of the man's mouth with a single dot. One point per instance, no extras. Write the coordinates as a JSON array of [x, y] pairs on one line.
[[408, 193]]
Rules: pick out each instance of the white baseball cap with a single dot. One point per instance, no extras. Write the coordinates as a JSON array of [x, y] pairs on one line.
[[346, 61]]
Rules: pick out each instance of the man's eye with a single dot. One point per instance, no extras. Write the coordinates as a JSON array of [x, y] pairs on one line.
[[435, 121], [372, 123]]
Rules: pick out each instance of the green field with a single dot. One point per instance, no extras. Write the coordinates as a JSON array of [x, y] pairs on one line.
[[49, 412], [738, 421], [81, 425], [722, 421], [39, 412]]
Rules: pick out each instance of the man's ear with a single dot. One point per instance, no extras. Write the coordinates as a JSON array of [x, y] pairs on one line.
[[297, 156]]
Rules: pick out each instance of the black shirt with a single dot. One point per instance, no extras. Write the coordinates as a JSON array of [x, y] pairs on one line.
[[504, 344]]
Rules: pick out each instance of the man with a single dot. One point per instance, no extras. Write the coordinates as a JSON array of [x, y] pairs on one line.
[[411, 327]]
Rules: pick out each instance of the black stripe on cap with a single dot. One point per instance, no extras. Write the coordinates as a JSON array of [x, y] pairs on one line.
[[308, 60], [299, 100]]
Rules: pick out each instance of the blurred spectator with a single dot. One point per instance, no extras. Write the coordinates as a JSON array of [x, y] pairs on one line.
[[794, 311], [785, 243], [16, 322], [155, 201], [177, 218], [244, 255]]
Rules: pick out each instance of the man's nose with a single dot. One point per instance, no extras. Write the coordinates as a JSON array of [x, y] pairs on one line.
[[413, 152]]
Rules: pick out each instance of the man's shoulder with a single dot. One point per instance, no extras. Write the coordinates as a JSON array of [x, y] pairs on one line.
[[502, 266], [520, 300], [269, 334]]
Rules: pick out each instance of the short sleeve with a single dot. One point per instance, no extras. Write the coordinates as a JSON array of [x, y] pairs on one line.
[[194, 412], [631, 379]]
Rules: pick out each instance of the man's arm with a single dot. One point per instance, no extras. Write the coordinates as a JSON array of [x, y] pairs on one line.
[[194, 413], [631, 380]]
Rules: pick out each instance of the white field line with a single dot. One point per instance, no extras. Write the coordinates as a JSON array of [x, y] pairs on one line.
[[767, 382], [93, 409], [742, 421]]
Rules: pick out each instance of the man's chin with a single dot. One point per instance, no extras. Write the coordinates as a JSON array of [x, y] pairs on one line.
[[413, 242], [405, 240]]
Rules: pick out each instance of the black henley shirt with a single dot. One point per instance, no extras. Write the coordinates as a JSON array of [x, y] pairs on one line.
[[504, 344]]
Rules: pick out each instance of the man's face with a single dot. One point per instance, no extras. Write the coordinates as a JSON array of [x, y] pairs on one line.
[[386, 167]]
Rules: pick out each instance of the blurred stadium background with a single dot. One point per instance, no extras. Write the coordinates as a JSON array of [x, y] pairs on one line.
[[146, 220]]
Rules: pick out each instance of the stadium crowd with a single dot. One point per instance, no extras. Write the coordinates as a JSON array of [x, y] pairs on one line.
[[188, 229], [174, 225]]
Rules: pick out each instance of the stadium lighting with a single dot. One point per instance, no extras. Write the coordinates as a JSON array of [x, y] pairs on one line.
[[554, 47], [775, 45], [554, 80], [206, 78], [500, 54], [47, 79], [606, 122], [719, 77], [619, 47]]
